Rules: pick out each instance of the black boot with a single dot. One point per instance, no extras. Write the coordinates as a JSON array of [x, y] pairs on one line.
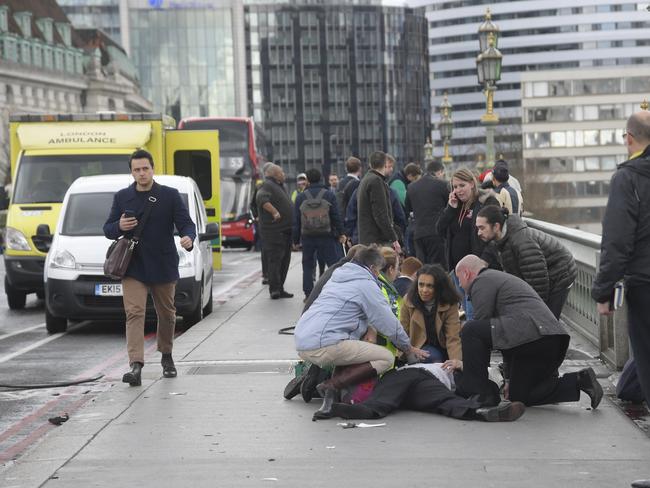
[[504, 412], [588, 383], [134, 377], [308, 387], [169, 370], [341, 377]]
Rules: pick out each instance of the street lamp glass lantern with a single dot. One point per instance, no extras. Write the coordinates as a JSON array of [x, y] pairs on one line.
[[491, 65], [446, 128], [488, 27], [479, 70]]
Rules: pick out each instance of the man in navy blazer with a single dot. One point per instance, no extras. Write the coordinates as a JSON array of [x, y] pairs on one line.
[[154, 264]]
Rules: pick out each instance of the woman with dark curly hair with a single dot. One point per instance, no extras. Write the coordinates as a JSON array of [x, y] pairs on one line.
[[429, 315]]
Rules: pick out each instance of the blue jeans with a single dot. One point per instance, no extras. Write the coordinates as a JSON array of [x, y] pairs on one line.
[[465, 302], [325, 247], [436, 354]]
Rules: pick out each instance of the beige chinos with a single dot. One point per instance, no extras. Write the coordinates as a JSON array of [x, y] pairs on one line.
[[135, 302], [351, 352]]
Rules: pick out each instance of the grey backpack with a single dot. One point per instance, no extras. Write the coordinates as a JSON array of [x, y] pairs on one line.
[[315, 215]]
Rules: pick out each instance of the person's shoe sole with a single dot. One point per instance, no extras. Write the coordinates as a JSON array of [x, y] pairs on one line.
[[275, 296], [131, 379], [170, 373], [308, 386], [595, 392]]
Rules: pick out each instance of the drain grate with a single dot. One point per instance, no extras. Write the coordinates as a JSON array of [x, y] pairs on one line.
[[239, 367]]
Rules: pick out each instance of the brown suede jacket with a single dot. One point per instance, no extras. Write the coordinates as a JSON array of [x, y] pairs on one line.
[[447, 327]]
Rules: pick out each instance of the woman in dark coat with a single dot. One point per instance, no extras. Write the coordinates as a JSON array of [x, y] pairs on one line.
[[458, 222]]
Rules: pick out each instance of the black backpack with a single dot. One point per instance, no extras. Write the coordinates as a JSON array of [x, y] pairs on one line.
[[315, 215]]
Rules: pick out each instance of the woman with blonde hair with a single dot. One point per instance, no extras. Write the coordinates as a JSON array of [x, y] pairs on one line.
[[458, 222]]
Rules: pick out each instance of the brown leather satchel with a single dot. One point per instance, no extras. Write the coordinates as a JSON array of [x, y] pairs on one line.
[[121, 250]]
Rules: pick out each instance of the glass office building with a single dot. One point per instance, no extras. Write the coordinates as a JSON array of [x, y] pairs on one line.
[[331, 80], [190, 55]]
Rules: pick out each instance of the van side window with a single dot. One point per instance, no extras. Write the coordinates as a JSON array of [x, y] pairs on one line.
[[197, 165], [200, 226]]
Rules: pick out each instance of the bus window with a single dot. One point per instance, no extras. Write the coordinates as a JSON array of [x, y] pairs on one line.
[[196, 165]]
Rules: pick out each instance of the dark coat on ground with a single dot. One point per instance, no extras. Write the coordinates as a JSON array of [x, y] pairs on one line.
[[272, 191], [449, 227], [625, 246], [536, 257], [516, 312], [426, 198], [375, 215], [155, 259]]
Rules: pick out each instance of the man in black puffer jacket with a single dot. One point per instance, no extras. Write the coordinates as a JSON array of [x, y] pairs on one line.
[[537, 258]]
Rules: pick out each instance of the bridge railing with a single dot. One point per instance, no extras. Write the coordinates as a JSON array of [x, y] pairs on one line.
[[608, 334]]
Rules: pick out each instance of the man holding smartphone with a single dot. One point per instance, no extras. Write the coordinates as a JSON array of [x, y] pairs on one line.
[[154, 264]]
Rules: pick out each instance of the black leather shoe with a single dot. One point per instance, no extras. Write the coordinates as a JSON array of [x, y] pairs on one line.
[[308, 386], [641, 484], [133, 377], [265, 281], [275, 295], [504, 412], [169, 370], [588, 383], [293, 387], [285, 294]]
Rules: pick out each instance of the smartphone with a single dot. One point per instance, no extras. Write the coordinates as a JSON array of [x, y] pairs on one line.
[[129, 213]]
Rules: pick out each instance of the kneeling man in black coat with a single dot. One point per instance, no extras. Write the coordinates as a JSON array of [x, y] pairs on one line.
[[511, 317]]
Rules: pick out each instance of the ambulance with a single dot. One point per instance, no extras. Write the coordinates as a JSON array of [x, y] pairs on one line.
[[49, 152]]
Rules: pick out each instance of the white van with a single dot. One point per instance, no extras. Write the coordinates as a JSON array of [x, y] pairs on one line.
[[75, 285]]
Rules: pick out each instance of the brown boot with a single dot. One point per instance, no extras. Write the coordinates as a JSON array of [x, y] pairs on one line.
[[342, 377]]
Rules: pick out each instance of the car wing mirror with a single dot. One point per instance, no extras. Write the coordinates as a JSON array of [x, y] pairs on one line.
[[211, 232]]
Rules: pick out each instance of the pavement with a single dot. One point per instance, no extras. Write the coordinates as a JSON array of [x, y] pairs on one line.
[[224, 423]]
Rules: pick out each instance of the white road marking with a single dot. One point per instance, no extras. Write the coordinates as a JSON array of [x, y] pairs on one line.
[[22, 331], [22, 351]]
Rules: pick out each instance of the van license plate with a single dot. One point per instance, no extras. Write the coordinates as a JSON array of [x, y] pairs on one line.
[[108, 289]]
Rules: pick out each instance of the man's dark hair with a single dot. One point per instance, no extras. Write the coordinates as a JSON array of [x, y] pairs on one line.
[[352, 165], [500, 173], [141, 154], [444, 291], [434, 166], [494, 214], [638, 127], [370, 256], [377, 160], [412, 169], [313, 175]]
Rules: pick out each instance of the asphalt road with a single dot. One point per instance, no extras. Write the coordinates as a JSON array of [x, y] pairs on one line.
[[30, 356]]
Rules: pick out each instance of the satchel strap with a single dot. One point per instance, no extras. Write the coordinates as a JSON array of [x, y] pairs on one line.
[[147, 210]]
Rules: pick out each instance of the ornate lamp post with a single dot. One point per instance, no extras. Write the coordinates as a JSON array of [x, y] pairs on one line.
[[645, 105], [446, 127], [488, 70], [428, 151]]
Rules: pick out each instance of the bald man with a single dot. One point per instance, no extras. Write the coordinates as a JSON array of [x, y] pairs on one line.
[[511, 317], [275, 212]]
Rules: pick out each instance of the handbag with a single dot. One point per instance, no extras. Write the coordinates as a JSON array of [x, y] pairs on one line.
[[120, 252]]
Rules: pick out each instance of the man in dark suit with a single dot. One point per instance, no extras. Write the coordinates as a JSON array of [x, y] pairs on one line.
[[154, 265], [427, 198]]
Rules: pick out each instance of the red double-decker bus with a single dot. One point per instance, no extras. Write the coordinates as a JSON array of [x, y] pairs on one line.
[[243, 150]]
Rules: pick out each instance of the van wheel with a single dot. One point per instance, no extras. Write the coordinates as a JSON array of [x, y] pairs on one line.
[[197, 314], [55, 324], [207, 310], [16, 298]]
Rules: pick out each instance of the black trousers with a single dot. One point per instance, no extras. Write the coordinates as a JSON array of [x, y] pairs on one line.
[[431, 250], [532, 368], [276, 247], [638, 323], [415, 389], [556, 301]]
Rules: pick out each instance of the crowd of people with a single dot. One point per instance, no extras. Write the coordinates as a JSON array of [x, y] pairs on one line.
[[427, 278]]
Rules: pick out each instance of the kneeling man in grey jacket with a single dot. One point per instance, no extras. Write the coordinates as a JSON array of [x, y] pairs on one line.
[[330, 332], [511, 317]]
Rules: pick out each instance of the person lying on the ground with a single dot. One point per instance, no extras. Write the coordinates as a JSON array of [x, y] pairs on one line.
[[329, 333], [425, 388], [429, 315], [509, 316]]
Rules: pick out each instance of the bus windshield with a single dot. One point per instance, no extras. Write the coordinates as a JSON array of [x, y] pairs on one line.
[[235, 198], [45, 179]]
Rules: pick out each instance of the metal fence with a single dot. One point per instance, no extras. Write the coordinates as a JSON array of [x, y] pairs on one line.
[[608, 334]]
